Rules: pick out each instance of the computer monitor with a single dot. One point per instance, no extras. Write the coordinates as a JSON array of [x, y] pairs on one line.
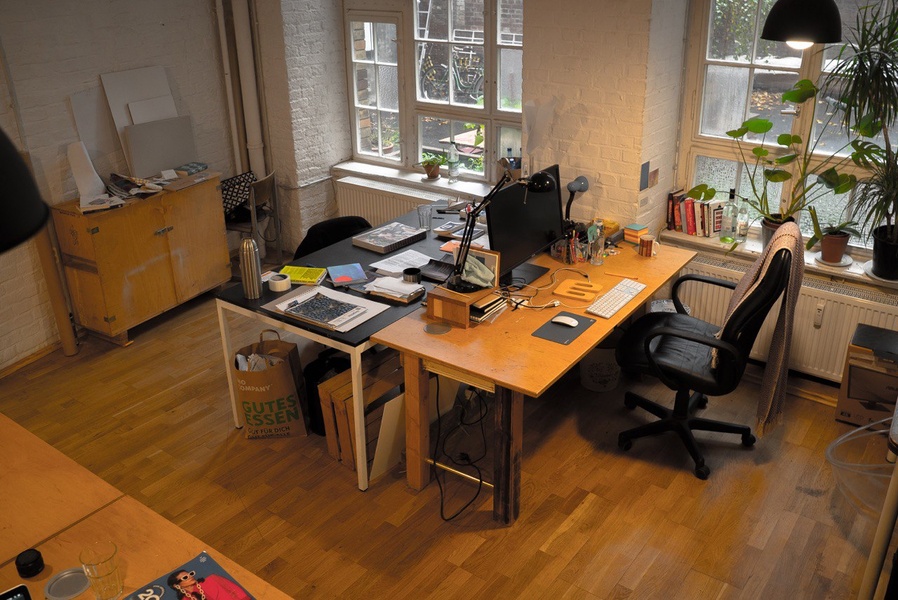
[[521, 225]]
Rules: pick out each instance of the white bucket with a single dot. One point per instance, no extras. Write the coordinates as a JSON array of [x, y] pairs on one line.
[[599, 371]]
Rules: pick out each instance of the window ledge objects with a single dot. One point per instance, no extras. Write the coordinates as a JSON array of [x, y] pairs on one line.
[[749, 250], [463, 190]]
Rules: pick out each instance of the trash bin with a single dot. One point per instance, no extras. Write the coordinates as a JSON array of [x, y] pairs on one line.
[[598, 369], [860, 464]]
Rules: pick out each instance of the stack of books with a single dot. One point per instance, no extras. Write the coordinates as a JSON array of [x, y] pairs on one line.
[[389, 238], [633, 231], [693, 217]]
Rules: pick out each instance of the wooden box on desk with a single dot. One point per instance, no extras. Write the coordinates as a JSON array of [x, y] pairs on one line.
[[451, 307], [869, 383], [382, 373]]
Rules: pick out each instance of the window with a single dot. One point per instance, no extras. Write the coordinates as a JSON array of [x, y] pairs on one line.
[[458, 82], [733, 75]]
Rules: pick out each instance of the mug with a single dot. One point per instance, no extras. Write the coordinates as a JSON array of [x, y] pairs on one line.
[[648, 245]]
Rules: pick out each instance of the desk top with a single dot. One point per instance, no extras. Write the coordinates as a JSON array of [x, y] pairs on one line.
[[43, 491], [149, 546], [506, 353]]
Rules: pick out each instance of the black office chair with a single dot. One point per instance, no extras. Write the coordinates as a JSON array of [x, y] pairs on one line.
[[678, 349], [323, 234]]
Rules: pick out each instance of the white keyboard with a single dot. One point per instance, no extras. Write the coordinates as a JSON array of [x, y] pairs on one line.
[[615, 299]]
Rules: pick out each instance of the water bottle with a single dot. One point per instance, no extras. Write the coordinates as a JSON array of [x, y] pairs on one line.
[[728, 220], [510, 157], [250, 269], [742, 222], [453, 163]]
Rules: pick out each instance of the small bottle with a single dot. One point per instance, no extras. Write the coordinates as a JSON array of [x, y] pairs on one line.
[[742, 222], [510, 157], [728, 219], [453, 163]]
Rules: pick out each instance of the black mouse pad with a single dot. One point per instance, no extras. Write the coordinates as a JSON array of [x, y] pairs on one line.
[[562, 334]]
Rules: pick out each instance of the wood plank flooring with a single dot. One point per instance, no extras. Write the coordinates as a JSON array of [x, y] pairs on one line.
[[154, 420]]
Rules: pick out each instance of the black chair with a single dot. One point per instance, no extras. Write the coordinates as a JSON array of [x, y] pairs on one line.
[[678, 349], [323, 234]]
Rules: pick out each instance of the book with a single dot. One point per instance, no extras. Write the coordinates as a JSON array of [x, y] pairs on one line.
[[321, 310], [389, 237], [304, 275], [457, 235], [690, 216], [190, 168], [449, 227], [348, 274], [202, 577], [673, 199]]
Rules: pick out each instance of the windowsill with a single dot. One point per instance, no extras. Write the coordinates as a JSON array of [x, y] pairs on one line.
[[463, 190], [749, 250]]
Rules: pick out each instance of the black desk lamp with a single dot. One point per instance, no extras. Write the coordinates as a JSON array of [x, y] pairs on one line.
[[539, 182], [22, 211], [802, 23]]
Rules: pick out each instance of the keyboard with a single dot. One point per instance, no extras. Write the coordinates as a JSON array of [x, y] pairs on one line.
[[607, 305]]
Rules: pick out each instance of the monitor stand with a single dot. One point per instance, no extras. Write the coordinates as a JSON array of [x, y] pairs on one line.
[[523, 275]]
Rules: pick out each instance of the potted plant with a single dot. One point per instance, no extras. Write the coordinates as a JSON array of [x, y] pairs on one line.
[[833, 238], [767, 164], [865, 79], [431, 163]]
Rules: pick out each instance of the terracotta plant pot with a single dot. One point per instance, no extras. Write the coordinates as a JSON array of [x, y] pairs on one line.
[[433, 171], [833, 246], [885, 254], [769, 227]]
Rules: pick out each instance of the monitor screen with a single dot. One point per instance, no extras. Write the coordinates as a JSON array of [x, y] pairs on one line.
[[522, 224]]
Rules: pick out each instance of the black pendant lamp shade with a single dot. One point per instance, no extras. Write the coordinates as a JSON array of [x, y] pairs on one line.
[[22, 211], [816, 21]]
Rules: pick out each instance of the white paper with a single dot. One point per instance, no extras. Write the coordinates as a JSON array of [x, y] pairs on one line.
[[396, 264], [393, 286], [154, 109], [90, 186], [372, 308], [537, 119]]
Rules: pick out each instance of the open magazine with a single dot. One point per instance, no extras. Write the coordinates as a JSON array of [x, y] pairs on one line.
[[200, 578]]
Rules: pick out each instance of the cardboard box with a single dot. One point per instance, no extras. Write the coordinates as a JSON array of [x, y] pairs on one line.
[[870, 378]]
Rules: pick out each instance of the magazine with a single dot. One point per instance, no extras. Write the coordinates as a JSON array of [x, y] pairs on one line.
[[322, 310], [389, 237], [347, 274], [201, 577]]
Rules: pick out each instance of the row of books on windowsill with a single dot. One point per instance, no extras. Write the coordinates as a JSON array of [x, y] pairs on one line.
[[694, 217]]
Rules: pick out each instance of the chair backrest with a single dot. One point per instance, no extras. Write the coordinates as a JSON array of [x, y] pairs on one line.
[[263, 189], [325, 233]]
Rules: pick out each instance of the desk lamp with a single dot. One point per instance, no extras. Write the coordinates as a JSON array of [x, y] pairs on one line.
[[802, 23], [539, 182], [580, 184]]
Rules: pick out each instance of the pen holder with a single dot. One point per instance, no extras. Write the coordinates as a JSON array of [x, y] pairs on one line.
[[570, 252]]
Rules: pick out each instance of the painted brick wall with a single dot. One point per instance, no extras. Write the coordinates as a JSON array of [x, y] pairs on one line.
[[55, 49]]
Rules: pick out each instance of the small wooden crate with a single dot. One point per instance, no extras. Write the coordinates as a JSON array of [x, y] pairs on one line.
[[382, 373]]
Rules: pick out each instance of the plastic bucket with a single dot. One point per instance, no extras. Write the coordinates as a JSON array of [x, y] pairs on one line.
[[859, 464]]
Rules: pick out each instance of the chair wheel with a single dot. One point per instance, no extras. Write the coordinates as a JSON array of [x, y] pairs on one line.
[[624, 444], [748, 440], [702, 402], [702, 472], [629, 402]]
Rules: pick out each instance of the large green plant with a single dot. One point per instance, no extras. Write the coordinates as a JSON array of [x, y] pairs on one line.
[[865, 78], [767, 163]]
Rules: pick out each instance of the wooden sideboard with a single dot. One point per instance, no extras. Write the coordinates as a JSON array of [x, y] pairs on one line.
[[126, 265]]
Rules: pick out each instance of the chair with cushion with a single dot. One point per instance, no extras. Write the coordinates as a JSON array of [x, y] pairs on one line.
[[323, 234], [248, 201], [698, 359]]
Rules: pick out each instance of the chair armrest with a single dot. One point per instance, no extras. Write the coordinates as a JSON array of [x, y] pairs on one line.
[[713, 342], [674, 292]]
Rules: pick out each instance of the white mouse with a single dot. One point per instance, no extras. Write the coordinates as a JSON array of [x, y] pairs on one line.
[[565, 320]]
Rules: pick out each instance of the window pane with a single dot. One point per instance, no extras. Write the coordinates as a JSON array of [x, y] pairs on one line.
[[732, 30], [511, 22], [375, 75], [467, 71], [433, 20], [437, 133], [388, 87], [365, 94], [385, 37], [767, 99], [722, 174], [509, 143], [723, 106], [510, 70], [467, 21], [362, 41], [433, 72]]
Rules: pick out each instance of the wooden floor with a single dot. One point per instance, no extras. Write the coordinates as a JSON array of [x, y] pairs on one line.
[[153, 419]]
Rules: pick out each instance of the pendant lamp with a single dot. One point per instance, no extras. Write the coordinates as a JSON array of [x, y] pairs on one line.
[[22, 211], [801, 23]]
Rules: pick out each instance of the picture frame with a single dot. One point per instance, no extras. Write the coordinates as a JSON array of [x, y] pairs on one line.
[[489, 258]]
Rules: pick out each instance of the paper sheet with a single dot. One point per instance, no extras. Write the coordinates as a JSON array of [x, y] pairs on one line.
[[396, 264], [372, 308], [90, 186]]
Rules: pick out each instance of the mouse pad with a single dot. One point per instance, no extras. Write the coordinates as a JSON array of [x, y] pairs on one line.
[[562, 334]]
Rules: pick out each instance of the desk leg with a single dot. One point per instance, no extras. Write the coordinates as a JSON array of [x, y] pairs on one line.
[[881, 540], [417, 422], [225, 329], [508, 447], [358, 410]]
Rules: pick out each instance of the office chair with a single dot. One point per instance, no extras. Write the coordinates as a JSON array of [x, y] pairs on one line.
[[323, 234], [680, 350], [260, 199]]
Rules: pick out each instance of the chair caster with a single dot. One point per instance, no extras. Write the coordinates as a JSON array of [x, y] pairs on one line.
[[629, 401], [624, 444], [748, 440], [702, 472], [702, 402]]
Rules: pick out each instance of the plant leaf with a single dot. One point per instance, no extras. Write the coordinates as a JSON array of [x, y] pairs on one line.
[[737, 133], [777, 175], [787, 139], [757, 125], [802, 90], [786, 159], [760, 152]]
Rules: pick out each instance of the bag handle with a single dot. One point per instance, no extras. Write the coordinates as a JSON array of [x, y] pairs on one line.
[[264, 331]]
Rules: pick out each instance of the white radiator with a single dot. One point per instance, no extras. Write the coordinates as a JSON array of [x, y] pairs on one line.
[[825, 317], [379, 202]]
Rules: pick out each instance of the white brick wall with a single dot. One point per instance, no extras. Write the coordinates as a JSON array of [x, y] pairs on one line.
[[55, 49]]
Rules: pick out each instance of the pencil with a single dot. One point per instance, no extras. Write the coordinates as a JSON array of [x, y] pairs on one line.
[[624, 275]]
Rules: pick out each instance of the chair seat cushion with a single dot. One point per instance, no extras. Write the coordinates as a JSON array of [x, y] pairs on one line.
[[681, 360]]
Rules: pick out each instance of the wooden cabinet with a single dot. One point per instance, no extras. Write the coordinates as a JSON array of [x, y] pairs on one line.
[[129, 264]]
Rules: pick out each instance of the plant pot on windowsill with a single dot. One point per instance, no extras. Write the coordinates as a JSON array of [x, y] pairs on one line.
[[433, 171], [770, 225], [833, 247], [885, 254]]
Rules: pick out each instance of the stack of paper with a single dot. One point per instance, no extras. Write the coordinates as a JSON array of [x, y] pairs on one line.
[[394, 287]]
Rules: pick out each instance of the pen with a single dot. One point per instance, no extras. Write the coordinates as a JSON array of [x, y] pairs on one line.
[[624, 275]]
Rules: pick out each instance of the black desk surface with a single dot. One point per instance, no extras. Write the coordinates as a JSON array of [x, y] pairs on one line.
[[339, 254]]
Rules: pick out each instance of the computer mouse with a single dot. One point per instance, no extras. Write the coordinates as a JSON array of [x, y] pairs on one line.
[[565, 320]]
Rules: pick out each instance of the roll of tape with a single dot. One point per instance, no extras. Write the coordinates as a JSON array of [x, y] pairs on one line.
[[279, 282]]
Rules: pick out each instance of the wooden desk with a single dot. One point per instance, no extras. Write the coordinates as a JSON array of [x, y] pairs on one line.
[[504, 357], [43, 490], [149, 546]]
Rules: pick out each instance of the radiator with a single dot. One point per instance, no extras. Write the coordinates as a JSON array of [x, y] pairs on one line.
[[825, 317], [379, 202]]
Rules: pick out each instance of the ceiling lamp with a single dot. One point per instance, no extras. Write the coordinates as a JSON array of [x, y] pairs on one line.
[[802, 23]]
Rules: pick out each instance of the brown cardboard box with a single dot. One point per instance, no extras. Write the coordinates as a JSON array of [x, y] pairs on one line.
[[870, 377]]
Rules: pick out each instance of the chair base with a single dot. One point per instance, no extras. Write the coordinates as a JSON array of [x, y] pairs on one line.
[[681, 421]]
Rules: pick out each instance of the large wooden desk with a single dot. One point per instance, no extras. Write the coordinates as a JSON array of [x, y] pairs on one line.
[[504, 357]]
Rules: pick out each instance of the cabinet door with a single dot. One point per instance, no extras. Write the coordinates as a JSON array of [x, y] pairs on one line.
[[197, 239], [132, 263]]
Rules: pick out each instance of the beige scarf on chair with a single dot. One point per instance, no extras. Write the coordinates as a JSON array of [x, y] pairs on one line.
[[776, 372]]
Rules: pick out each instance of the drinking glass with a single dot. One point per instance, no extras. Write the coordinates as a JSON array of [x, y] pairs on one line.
[[100, 563], [425, 212]]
